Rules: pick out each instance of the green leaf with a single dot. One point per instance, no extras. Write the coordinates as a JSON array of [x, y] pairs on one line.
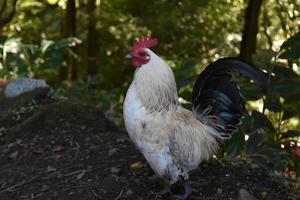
[[45, 44], [292, 41], [254, 142], [260, 121], [273, 104], [286, 88], [291, 54], [288, 113], [290, 49], [290, 134], [49, 46], [284, 72], [297, 166], [293, 99], [186, 74], [12, 45], [235, 144], [251, 92]]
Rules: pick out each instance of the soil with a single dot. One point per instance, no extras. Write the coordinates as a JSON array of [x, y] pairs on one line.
[[51, 148]]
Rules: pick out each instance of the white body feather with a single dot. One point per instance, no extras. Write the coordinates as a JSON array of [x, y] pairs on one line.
[[170, 137]]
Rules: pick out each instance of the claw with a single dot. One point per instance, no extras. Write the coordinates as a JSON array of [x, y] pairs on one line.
[[181, 196], [184, 196], [187, 192]]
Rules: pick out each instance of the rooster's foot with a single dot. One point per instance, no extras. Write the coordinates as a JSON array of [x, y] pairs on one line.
[[187, 192]]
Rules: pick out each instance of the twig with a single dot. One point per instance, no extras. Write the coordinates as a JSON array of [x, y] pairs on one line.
[[75, 172], [19, 184], [13, 186], [77, 148], [119, 196], [96, 195]]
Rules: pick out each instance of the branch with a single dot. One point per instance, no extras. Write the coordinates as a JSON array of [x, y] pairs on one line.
[[4, 4], [279, 10], [266, 23], [11, 15]]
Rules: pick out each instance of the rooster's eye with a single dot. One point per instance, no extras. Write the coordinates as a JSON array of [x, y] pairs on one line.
[[142, 54]]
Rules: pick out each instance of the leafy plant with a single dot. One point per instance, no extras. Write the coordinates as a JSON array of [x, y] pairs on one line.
[[267, 130], [271, 137], [31, 60]]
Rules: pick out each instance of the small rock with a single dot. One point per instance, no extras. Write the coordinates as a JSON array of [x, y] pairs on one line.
[[45, 188], [128, 193], [23, 85], [50, 169], [112, 152], [80, 175], [114, 170], [245, 195], [121, 140], [89, 168], [2, 130], [13, 155]]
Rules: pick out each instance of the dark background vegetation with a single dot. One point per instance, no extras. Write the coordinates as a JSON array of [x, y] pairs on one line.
[[79, 48]]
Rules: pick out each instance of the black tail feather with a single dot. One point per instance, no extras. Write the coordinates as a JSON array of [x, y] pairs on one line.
[[216, 96]]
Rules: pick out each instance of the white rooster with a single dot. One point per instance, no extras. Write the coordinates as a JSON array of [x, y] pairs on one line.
[[172, 139]]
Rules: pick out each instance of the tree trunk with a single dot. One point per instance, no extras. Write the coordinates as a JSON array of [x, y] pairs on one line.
[[250, 30], [69, 30], [6, 19], [91, 39]]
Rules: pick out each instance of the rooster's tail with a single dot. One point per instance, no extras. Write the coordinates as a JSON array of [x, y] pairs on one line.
[[217, 100]]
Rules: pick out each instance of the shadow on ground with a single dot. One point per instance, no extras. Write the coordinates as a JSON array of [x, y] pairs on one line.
[[57, 149]]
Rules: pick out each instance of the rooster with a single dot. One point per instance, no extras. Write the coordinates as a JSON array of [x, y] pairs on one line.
[[172, 139]]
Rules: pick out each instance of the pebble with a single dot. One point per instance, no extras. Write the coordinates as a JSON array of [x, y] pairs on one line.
[[128, 193], [112, 152], [45, 188], [114, 170], [245, 195], [219, 191], [23, 85]]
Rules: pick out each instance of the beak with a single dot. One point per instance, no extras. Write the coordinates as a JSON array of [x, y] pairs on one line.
[[129, 56]]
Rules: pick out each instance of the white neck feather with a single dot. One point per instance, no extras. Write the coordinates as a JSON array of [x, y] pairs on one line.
[[155, 84]]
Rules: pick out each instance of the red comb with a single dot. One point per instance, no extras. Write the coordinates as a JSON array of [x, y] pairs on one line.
[[145, 42]]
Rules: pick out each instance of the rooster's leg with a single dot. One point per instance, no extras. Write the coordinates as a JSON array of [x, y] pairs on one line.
[[165, 190], [187, 192]]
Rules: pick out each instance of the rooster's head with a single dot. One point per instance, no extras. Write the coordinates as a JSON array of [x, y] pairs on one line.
[[139, 54]]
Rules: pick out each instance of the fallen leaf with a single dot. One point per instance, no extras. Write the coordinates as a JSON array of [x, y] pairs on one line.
[[37, 151], [137, 165], [80, 175], [2, 83], [296, 151], [58, 148]]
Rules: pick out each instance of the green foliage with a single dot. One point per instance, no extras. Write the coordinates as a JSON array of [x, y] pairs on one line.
[[109, 102], [191, 34], [291, 48], [271, 128], [30, 60]]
